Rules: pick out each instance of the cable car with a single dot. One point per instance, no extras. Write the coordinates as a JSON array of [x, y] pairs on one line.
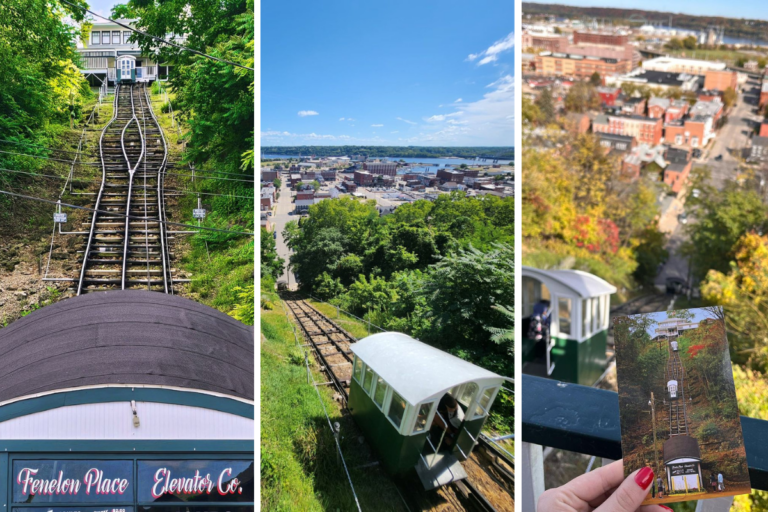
[[579, 306], [126, 69], [672, 388], [674, 346], [397, 383]]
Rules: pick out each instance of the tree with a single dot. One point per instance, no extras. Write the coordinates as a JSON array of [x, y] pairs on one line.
[[729, 97], [690, 43], [723, 217], [546, 104], [582, 96], [277, 183], [271, 263], [595, 79], [531, 112]]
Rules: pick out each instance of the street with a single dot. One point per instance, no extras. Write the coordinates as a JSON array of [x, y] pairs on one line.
[[729, 142], [280, 219]]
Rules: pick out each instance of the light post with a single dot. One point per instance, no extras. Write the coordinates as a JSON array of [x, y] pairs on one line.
[[652, 403]]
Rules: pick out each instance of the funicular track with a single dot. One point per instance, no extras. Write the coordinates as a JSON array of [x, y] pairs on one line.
[[678, 417], [127, 244], [487, 466]]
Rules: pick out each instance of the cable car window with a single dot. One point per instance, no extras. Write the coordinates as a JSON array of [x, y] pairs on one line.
[[126, 36], [421, 417], [105, 37], [595, 317], [95, 37], [368, 380], [381, 391], [485, 403], [585, 324], [396, 409], [468, 393], [564, 315], [358, 370]]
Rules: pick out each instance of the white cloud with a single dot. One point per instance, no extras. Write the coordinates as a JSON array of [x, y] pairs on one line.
[[491, 54], [341, 119], [305, 113], [405, 120], [458, 100], [442, 117], [376, 125]]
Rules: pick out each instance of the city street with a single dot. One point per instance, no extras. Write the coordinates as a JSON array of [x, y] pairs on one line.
[[729, 143], [280, 219]]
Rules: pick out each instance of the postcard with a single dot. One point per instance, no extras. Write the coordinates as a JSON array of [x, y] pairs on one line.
[[677, 403]]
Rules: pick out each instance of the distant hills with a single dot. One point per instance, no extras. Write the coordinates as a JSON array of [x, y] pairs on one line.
[[500, 152], [734, 27]]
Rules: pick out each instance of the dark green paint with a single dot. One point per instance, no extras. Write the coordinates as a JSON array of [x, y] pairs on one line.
[[465, 442], [580, 362], [398, 453], [75, 448]]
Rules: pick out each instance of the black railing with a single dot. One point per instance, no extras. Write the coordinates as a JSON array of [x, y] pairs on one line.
[[586, 420]]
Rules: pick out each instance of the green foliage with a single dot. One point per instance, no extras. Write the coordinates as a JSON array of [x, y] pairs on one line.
[[41, 89], [546, 105], [245, 309], [271, 264]]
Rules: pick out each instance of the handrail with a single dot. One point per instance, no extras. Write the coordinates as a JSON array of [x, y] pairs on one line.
[[585, 420]]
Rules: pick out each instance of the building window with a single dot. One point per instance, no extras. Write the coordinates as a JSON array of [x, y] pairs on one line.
[[678, 139], [484, 404], [421, 417], [116, 37], [358, 370], [396, 409], [695, 142], [564, 315], [368, 380], [95, 37], [381, 391], [126, 36], [105, 37]]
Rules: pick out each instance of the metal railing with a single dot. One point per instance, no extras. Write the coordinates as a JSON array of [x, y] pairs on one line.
[[585, 420]]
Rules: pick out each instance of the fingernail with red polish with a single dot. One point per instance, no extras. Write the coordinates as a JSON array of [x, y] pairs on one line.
[[666, 508], [644, 477]]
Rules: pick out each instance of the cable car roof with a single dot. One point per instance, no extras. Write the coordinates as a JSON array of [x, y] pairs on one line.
[[415, 370], [123, 338], [583, 284]]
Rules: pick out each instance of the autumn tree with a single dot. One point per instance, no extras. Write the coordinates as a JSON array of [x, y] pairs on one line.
[[582, 96], [546, 104]]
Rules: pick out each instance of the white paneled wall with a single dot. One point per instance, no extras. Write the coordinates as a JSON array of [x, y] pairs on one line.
[[114, 420]]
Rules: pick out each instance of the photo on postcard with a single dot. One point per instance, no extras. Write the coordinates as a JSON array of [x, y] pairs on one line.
[[677, 403]]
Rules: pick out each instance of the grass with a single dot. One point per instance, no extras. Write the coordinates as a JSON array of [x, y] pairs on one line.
[[718, 55], [352, 325], [218, 265], [299, 466]]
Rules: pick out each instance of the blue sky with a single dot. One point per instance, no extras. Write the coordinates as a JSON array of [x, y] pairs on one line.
[[750, 9], [414, 72], [104, 7]]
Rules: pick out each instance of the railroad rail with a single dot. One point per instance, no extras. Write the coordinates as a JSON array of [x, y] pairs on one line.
[[127, 244], [678, 414], [488, 465]]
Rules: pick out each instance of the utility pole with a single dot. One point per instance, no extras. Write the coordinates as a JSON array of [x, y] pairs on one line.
[[652, 403]]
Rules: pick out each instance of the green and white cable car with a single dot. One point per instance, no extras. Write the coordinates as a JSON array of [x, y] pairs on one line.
[[579, 306], [396, 385]]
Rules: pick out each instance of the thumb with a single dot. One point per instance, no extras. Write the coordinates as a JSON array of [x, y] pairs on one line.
[[630, 494]]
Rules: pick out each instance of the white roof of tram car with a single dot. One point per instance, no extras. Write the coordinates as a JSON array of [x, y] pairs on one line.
[[583, 284], [417, 371]]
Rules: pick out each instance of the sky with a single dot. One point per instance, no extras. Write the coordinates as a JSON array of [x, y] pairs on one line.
[[404, 73], [104, 7], [750, 9]]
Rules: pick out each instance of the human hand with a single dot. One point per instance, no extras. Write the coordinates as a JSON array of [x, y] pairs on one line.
[[602, 490]]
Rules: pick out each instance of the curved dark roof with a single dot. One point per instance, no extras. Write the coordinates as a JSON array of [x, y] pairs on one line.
[[680, 447], [126, 337]]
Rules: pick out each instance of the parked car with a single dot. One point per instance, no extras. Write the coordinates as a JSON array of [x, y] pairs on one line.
[[718, 158]]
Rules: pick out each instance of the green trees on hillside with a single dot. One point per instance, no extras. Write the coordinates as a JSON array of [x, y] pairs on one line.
[[41, 90], [441, 271]]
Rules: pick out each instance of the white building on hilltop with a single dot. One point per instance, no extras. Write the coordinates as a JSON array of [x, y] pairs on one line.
[[108, 55]]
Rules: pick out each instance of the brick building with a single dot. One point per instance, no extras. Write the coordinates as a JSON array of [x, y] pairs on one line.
[[763, 129], [608, 95], [720, 80], [269, 175], [328, 174], [679, 163], [578, 123], [578, 66], [695, 132], [547, 42], [616, 143], [363, 178], [450, 175], [603, 38], [644, 129], [304, 199], [383, 168], [764, 94]]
